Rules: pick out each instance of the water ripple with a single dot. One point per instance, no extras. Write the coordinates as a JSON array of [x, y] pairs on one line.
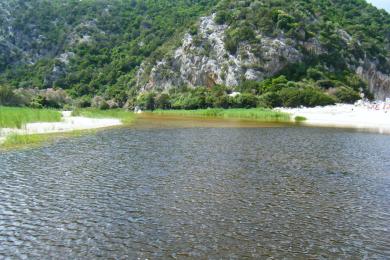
[[197, 193]]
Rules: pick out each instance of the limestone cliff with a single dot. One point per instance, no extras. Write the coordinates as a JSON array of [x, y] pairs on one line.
[[378, 82], [203, 60]]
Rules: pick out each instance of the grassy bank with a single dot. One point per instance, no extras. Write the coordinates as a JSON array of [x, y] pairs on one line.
[[265, 115], [125, 116], [18, 140], [15, 117], [21, 141]]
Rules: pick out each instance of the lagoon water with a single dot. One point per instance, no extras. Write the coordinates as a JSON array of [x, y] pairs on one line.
[[193, 190]]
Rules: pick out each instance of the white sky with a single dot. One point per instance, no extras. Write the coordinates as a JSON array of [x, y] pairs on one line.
[[384, 4]]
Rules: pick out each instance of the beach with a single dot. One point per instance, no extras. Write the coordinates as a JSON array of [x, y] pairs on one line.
[[366, 116], [69, 123]]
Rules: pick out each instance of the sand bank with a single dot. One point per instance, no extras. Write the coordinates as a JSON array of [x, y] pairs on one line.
[[361, 116], [69, 123]]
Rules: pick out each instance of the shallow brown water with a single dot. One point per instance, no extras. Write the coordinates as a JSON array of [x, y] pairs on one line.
[[167, 189], [149, 120]]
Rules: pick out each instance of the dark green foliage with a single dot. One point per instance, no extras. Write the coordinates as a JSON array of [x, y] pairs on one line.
[[190, 100], [347, 95], [308, 96], [199, 98], [326, 84], [120, 36], [315, 74], [273, 84], [162, 101], [283, 20], [270, 100], [244, 101], [235, 36], [222, 17], [83, 102], [8, 97], [348, 31], [110, 39], [249, 86], [147, 101], [38, 102]]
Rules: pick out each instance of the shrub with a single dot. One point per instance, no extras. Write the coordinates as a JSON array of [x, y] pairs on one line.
[[193, 30], [100, 103], [244, 101], [273, 85], [222, 17], [283, 20], [220, 101], [163, 101], [269, 100], [249, 86], [146, 101], [8, 97], [191, 101], [55, 98], [235, 36], [112, 104], [231, 44], [38, 102], [26, 95], [347, 95], [314, 74], [326, 84], [82, 102], [308, 96]]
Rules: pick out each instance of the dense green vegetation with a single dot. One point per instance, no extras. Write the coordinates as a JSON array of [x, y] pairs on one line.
[[326, 20], [94, 49], [347, 31], [276, 92], [108, 40], [125, 116], [264, 115], [11, 117]]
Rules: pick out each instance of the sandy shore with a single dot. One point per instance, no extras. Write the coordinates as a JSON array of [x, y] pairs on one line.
[[68, 124], [345, 116]]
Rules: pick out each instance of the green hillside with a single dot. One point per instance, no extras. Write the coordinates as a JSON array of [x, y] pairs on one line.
[[97, 47]]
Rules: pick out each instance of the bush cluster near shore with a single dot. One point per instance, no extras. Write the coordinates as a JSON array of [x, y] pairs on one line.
[[316, 89], [270, 93]]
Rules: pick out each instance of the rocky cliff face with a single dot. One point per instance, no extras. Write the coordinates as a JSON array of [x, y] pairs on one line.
[[378, 82], [30, 43], [202, 60], [7, 48], [19, 46]]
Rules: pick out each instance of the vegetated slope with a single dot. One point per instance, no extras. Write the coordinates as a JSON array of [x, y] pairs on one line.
[[323, 43], [117, 48], [89, 46]]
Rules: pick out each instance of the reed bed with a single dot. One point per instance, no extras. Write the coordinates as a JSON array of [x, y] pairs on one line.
[[17, 117], [260, 114]]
